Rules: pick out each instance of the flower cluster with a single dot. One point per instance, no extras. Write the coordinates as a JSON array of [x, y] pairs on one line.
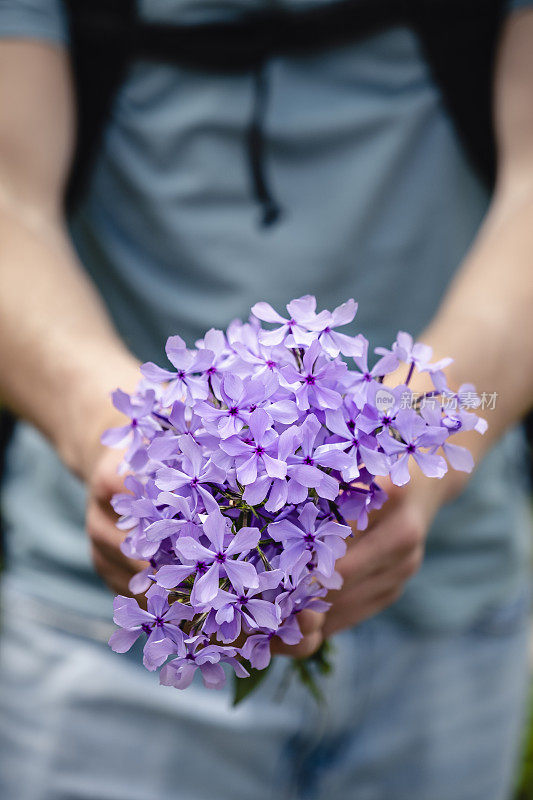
[[245, 463]]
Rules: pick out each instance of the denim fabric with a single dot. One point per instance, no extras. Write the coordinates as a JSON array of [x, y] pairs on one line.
[[409, 716]]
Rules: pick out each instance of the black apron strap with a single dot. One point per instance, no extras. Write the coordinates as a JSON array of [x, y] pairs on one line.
[[458, 38], [460, 44], [99, 57]]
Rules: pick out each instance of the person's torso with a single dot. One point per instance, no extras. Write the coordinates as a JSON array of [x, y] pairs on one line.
[[378, 202]]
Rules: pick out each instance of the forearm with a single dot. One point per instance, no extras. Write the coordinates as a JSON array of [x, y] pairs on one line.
[[60, 354], [485, 321]]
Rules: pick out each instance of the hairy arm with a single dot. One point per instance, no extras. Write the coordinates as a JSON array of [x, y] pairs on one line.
[[486, 318], [59, 352], [486, 323]]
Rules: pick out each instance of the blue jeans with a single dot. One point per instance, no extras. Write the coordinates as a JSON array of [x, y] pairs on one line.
[[409, 716]]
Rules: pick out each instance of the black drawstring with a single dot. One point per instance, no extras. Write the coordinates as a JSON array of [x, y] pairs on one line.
[[271, 211]]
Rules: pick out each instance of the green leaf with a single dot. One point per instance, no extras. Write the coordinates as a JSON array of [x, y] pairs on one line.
[[242, 687], [321, 659], [304, 672], [319, 663]]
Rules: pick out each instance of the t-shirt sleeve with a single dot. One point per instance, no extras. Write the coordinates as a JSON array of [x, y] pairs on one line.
[[34, 19]]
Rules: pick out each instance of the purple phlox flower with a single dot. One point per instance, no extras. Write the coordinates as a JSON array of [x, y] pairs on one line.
[[280, 407], [356, 502], [196, 471], [142, 581], [462, 420], [223, 358], [357, 445], [331, 341], [221, 557], [457, 417], [257, 454], [170, 576], [142, 425], [245, 332], [458, 457], [295, 329], [306, 540], [316, 380], [123, 502], [304, 592], [271, 429], [417, 438], [143, 510], [303, 468], [260, 357], [414, 353], [181, 421], [239, 399], [160, 622], [180, 517], [359, 382], [208, 658], [276, 488], [185, 382], [381, 406], [231, 609], [256, 648]]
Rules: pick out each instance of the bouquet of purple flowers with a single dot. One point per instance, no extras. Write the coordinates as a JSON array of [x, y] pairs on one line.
[[244, 464]]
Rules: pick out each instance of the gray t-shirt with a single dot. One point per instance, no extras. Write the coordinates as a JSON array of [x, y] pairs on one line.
[[379, 204]]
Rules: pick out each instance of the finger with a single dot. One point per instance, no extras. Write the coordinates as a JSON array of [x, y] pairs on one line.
[[106, 480], [375, 603], [381, 548], [378, 581], [310, 624], [305, 648], [310, 621], [117, 579], [351, 605], [106, 538], [104, 504]]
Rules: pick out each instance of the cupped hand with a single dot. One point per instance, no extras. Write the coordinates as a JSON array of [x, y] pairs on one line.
[[112, 565], [378, 562]]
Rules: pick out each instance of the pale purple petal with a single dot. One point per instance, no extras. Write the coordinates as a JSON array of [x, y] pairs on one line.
[[303, 308], [128, 614], [168, 479], [180, 677], [215, 528], [400, 471], [241, 574], [156, 374], [266, 313], [265, 614], [256, 492], [162, 528], [157, 651], [431, 465], [114, 437], [459, 457], [206, 587], [121, 641], [172, 575], [375, 462], [189, 548], [274, 467], [259, 422], [244, 540], [247, 471]]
